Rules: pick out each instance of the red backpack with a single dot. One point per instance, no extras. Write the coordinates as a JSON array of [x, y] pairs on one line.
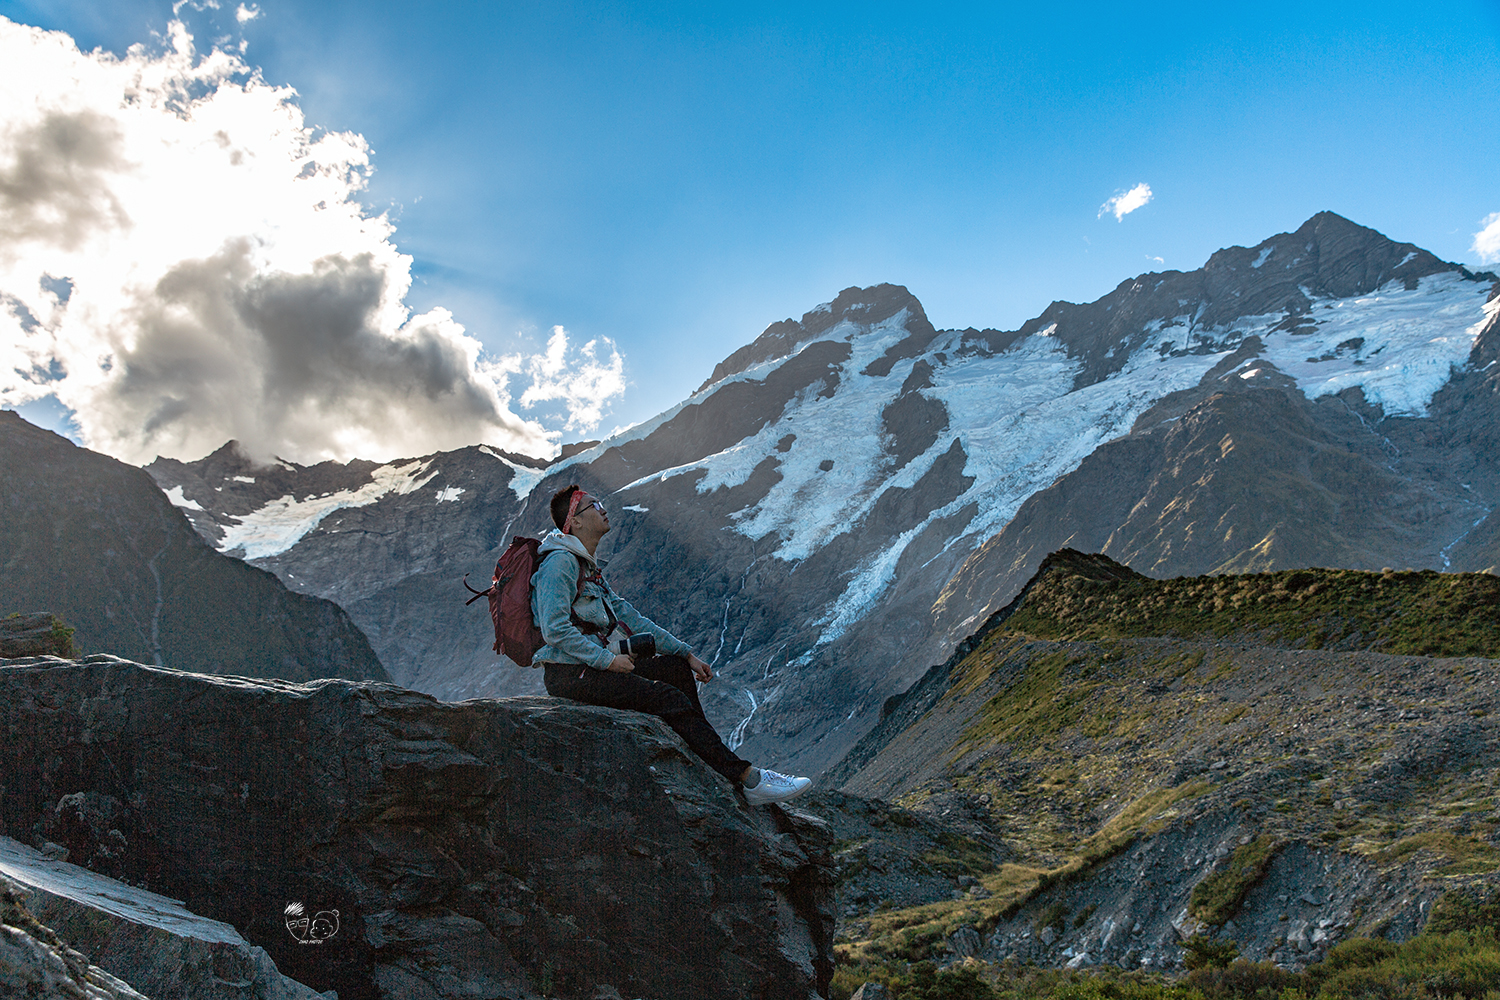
[[516, 633]]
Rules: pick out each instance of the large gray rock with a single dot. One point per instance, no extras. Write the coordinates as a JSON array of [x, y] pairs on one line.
[[489, 848], [38, 965], [145, 939]]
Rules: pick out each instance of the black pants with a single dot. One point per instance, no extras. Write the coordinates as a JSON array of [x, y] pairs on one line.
[[661, 686]]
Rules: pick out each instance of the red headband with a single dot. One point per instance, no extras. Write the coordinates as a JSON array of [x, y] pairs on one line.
[[572, 511]]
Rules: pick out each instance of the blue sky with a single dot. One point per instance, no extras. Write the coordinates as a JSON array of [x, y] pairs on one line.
[[674, 177]]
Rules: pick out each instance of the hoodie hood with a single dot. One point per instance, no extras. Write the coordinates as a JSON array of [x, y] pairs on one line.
[[555, 539]]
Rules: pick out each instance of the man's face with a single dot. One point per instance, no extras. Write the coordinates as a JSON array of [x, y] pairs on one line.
[[591, 516]]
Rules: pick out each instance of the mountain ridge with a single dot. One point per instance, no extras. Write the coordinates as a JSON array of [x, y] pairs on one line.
[[795, 518], [94, 541]]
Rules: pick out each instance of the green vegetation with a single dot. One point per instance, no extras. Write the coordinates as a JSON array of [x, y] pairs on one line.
[[956, 854], [32, 640], [1147, 814], [1465, 911], [1218, 897], [1463, 855], [1046, 700], [1421, 613], [1208, 953], [913, 933], [1460, 964], [61, 637], [1092, 725], [918, 981]]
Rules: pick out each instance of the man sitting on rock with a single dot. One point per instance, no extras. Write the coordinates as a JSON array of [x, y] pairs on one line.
[[579, 665]]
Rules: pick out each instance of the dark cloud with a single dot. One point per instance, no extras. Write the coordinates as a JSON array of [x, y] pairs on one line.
[[310, 323], [296, 364], [56, 185]]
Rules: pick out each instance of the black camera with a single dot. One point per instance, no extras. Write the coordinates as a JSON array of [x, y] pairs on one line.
[[637, 645]]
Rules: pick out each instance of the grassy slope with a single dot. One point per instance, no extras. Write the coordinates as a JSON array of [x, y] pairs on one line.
[[1423, 613], [1074, 727]]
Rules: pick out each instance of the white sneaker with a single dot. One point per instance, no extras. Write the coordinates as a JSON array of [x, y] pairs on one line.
[[775, 787]]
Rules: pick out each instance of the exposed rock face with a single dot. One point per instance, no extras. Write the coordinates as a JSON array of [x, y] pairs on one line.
[[1318, 399], [142, 938], [35, 962], [1327, 257], [94, 541], [1136, 906], [500, 849], [889, 856]]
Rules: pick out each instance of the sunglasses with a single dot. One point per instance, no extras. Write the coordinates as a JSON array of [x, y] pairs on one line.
[[596, 505]]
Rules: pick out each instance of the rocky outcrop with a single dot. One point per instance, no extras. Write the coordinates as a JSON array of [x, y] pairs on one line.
[[139, 937], [1326, 257], [875, 304], [381, 843], [94, 541], [35, 634], [35, 962], [1135, 910]]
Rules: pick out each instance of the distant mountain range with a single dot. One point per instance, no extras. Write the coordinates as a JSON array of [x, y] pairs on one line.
[[851, 494], [94, 541]]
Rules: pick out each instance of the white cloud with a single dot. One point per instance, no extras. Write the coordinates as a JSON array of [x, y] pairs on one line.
[[184, 260], [1487, 240], [244, 13], [1125, 202], [585, 388]]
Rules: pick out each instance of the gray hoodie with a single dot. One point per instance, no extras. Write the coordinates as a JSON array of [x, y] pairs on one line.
[[552, 589]]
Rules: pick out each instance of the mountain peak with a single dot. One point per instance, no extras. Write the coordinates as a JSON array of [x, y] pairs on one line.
[[1330, 256], [865, 306]]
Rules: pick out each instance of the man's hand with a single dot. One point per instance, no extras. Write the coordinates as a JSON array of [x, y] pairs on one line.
[[622, 664], [701, 670]]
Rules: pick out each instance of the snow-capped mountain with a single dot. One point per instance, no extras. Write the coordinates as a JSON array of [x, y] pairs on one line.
[[815, 518]]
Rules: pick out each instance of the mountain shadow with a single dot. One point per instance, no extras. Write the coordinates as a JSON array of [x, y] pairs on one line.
[[94, 541]]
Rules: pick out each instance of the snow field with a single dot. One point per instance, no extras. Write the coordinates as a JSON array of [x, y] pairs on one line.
[[175, 495], [1015, 414], [1021, 429], [1412, 341], [280, 524]]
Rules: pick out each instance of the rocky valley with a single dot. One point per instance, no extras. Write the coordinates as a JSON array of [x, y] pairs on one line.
[[1115, 775]]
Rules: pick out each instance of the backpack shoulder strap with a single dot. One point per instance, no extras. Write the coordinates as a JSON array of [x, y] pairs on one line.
[[583, 572], [589, 628]]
